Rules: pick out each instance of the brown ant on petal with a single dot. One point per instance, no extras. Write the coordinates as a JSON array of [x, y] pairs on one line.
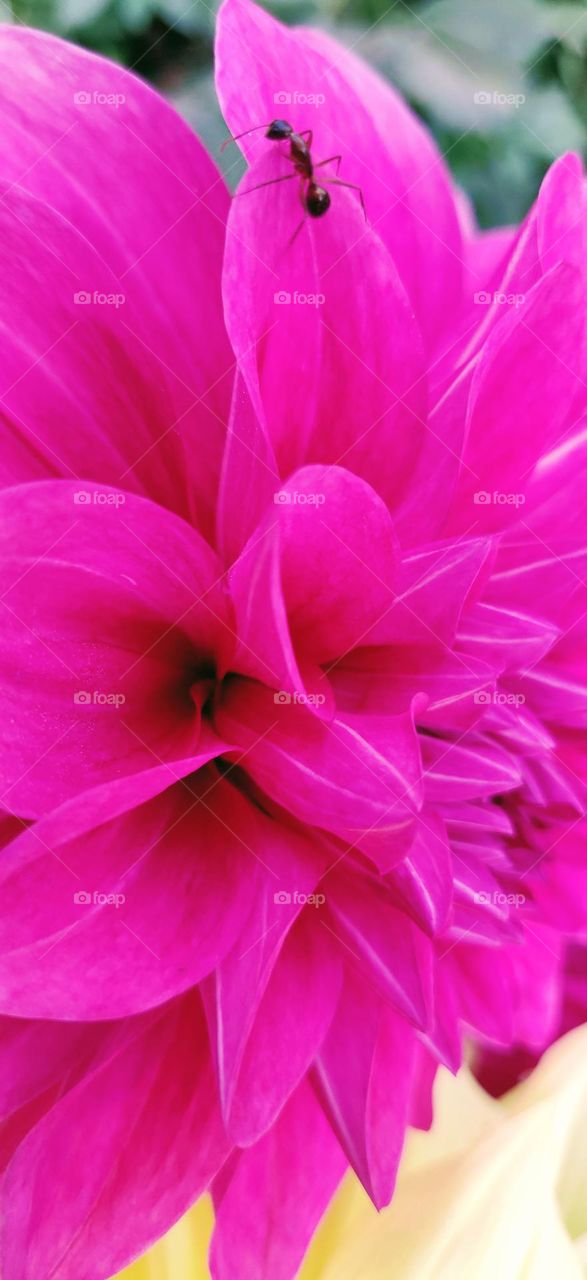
[[315, 199]]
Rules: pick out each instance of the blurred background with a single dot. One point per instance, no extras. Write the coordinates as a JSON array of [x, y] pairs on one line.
[[523, 61]]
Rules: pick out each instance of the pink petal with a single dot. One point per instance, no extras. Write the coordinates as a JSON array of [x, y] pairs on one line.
[[54, 359], [553, 511], [433, 586], [521, 417], [553, 572], [358, 778], [445, 1039], [328, 538], [553, 232], [537, 979], [408, 193], [505, 636], [380, 943], [120, 601], [38, 1055], [297, 325], [125, 1113], [456, 772], [234, 993], [132, 913], [481, 912], [249, 476], [276, 1195], [386, 680], [482, 981], [365, 1083], [90, 809], [140, 1130], [78, 156], [477, 818], [423, 1077], [423, 881], [486, 253], [282, 1043], [556, 690], [338, 560], [265, 647]]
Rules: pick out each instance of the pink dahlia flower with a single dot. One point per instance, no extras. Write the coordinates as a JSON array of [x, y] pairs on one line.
[[294, 601]]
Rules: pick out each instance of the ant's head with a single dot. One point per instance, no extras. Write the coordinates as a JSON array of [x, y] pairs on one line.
[[278, 130], [317, 200]]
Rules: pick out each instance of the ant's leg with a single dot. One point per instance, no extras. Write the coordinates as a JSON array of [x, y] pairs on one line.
[[286, 177], [296, 232], [329, 160], [336, 182], [307, 133]]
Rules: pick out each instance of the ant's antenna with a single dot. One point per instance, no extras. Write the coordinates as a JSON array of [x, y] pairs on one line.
[[235, 137]]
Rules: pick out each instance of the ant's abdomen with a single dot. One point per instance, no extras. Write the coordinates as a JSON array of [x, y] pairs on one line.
[[317, 201]]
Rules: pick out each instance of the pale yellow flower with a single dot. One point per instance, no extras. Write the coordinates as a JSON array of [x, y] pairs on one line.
[[495, 1190]]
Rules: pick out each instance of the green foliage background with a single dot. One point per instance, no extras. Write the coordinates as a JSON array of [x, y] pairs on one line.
[[439, 52]]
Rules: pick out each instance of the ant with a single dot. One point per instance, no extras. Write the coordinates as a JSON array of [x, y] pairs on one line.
[[315, 199]]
